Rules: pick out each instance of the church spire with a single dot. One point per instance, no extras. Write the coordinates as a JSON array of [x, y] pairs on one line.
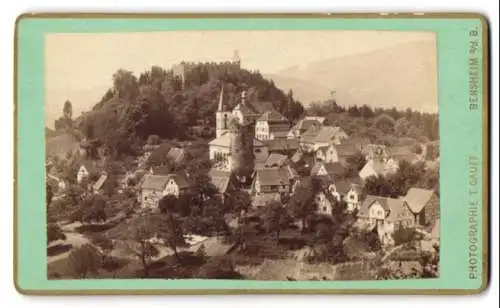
[[221, 100]]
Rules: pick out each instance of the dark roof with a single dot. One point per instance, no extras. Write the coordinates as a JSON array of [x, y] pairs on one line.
[[220, 179], [180, 179], [261, 107], [343, 186], [273, 117], [282, 144], [158, 182], [155, 182], [273, 176], [335, 168]]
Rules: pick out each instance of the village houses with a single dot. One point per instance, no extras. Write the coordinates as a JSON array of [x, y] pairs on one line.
[[271, 125], [386, 215], [314, 138], [336, 153], [155, 187], [424, 204], [378, 167], [331, 170]]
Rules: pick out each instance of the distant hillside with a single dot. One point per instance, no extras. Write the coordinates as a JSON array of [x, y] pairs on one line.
[[60, 145], [402, 76], [304, 91]]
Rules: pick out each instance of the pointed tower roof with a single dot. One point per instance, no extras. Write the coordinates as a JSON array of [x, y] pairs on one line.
[[222, 103]]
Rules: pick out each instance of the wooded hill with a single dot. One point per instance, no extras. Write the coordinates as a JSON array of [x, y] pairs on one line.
[[157, 103]]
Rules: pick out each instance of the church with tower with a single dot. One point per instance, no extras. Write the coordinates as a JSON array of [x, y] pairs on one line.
[[237, 147]]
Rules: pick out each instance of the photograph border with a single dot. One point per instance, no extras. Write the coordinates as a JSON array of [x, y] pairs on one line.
[[485, 154]]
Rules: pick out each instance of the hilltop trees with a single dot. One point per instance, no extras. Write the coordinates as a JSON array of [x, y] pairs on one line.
[[66, 120], [155, 103]]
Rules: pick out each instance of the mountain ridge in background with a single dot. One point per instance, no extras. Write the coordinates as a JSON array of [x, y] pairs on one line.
[[404, 76]]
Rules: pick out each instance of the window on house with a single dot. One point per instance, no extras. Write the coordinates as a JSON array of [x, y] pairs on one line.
[[258, 150], [324, 209], [351, 197]]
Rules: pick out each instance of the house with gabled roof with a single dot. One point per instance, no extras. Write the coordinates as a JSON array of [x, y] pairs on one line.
[[329, 135], [350, 191], [386, 215], [222, 180], [403, 153], [282, 146], [377, 168], [424, 204], [302, 126], [375, 151], [313, 138], [357, 141], [271, 125], [272, 180], [336, 153], [306, 139], [325, 202], [276, 161], [332, 170], [155, 187], [87, 169]]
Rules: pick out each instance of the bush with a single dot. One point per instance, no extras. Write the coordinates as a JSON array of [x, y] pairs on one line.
[[404, 235], [218, 268]]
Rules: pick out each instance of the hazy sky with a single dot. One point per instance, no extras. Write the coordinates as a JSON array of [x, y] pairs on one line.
[[79, 66]]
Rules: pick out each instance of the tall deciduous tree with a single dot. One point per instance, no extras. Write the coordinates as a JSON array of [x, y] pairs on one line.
[[275, 218], [302, 202], [84, 260]]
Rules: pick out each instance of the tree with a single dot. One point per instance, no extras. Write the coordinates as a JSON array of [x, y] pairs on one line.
[[68, 110], [125, 84], [105, 244], [274, 219], [153, 140], [218, 268], [84, 260], [384, 123], [68, 114], [172, 234], [49, 191], [355, 163], [54, 233], [169, 204], [137, 235], [302, 202]]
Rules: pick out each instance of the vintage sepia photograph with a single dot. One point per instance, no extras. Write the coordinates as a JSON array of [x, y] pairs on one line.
[[251, 155]]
